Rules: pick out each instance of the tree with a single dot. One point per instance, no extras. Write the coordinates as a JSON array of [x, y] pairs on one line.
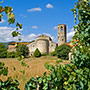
[[37, 53], [3, 51], [63, 51], [11, 55], [22, 50], [81, 49], [9, 84]]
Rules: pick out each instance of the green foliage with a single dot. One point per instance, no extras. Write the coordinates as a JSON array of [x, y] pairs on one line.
[[3, 51], [61, 77], [9, 84], [63, 51], [3, 69], [22, 50], [11, 18], [81, 49], [44, 54], [11, 55], [76, 75], [37, 53], [53, 53]]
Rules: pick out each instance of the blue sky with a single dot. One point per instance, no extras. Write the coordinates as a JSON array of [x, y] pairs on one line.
[[39, 17]]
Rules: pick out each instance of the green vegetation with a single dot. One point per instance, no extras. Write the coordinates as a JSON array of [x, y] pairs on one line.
[[73, 76], [76, 75], [3, 51], [53, 53], [9, 85], [11, 55], [37, 53], [22, 50], [44, 54], [3, 69], [63, 51]]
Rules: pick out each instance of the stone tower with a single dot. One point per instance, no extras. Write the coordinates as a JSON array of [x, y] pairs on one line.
[[61, 34]]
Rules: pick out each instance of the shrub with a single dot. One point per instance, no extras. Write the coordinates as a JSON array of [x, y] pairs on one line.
[[37, 53], [3, 51], [61, 77], [22, 50], [63, 51], [53, 53], [11, 55], [9, 84], [44, 54]]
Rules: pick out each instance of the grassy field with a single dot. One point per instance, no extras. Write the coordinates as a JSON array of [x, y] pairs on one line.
[[36, 68]]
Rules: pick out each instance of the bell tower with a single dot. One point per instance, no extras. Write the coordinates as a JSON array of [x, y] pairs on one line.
[[61, 34]]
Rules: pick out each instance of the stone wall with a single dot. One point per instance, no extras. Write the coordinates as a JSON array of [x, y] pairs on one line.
[[52, 46], [12, 48]]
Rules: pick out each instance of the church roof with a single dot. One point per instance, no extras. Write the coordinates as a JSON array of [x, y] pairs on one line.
[[13, 43], [43, 36]]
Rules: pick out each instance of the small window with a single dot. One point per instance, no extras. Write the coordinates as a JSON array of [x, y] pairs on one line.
[[62, 39], [51, 45], [61, 29]]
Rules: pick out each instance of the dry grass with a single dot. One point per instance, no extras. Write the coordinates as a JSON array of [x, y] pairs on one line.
[[36, 68]]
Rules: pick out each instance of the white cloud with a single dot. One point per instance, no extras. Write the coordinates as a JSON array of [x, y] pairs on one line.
[[34, 27], [28, 38], [55, 28], [5, 35], [70, 34], [49, 6], [2, 21], [35, 9]]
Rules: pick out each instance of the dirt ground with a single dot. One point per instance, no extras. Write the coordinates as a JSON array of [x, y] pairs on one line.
[[36, 68]]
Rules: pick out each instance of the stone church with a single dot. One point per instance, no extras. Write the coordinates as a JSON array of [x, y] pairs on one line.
[[44, 43]]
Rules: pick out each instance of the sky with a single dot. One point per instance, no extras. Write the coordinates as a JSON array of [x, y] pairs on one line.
[[38, 17]]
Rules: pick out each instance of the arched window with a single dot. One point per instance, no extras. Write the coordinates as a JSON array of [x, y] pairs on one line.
[[61, 29]]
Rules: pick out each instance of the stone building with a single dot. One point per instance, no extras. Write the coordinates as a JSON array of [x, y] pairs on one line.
[[43, 43], [12, 46]]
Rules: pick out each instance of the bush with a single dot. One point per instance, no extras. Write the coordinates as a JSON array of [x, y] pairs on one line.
[[9, 84], [37, 53], [44, 54], [63, 51], [11, 55], [61, 77], [22, 50], [3, 51], [53, 53]]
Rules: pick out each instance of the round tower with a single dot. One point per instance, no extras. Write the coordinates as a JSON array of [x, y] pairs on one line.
[[43, 46], [61, 34]]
